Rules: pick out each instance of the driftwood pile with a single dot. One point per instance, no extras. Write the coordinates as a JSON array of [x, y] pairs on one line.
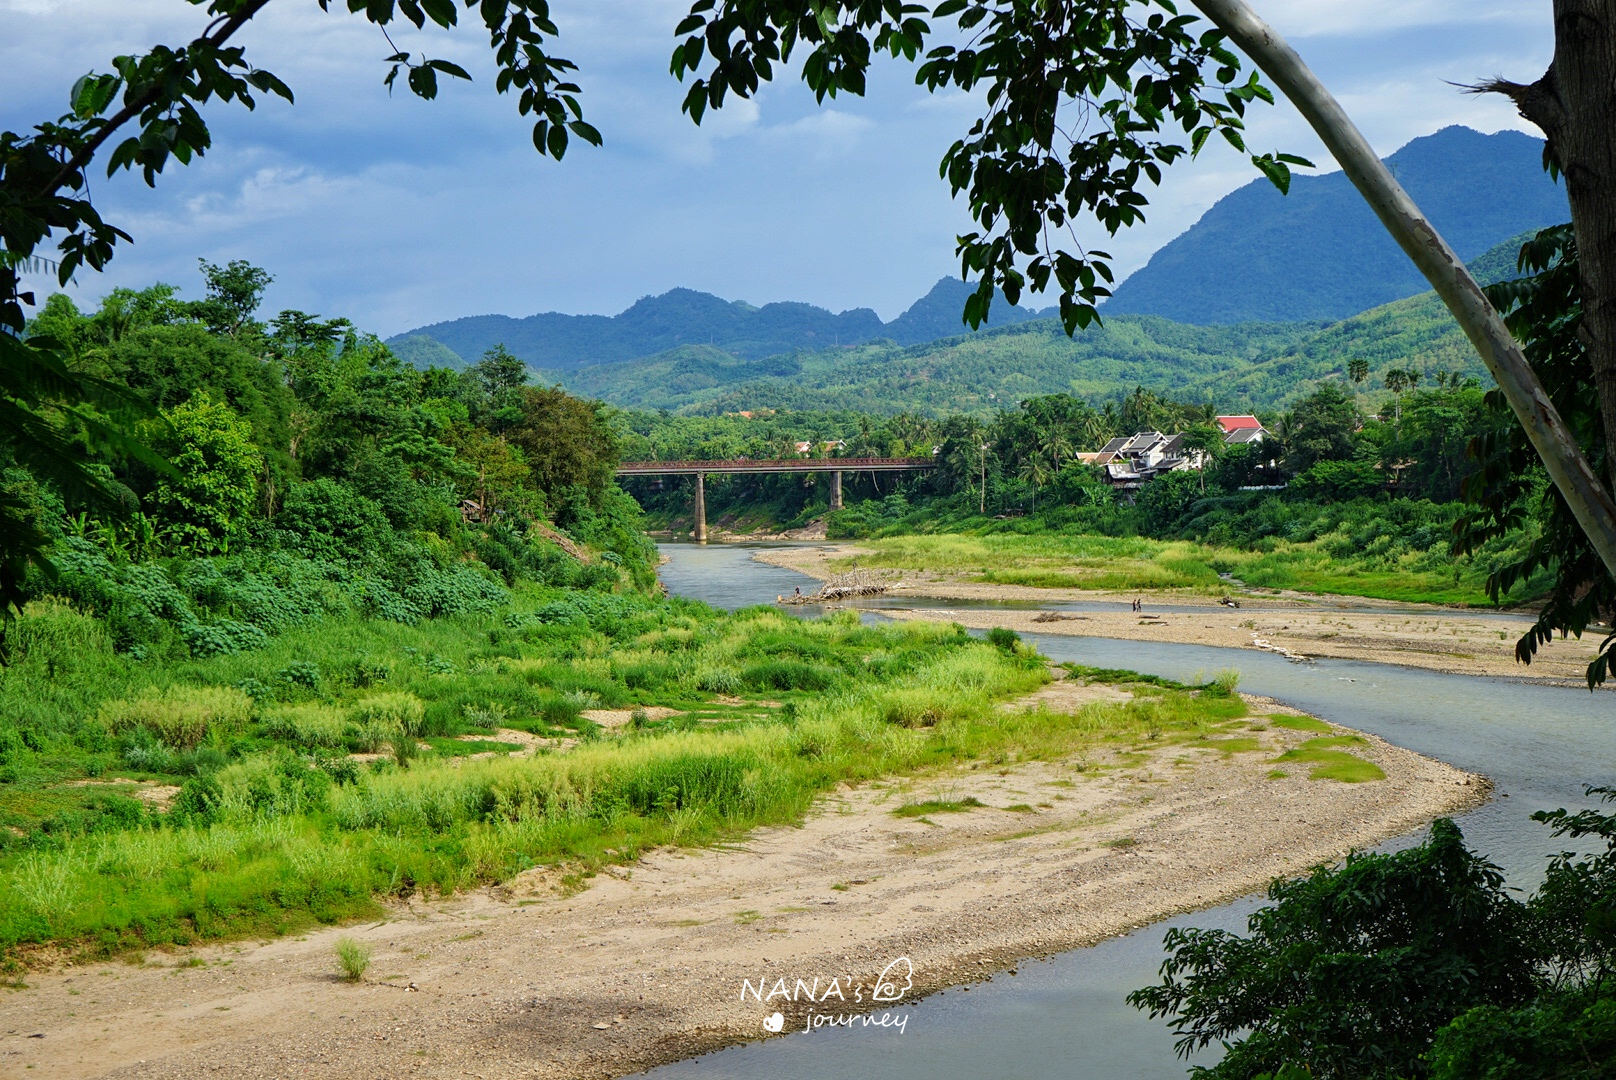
[[841, 587]]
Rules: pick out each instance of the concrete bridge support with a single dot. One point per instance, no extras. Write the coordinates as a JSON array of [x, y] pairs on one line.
[[835, 491], [701, 508]]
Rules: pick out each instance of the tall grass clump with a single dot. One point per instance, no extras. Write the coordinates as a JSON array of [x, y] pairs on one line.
[[353, 958], [379, 721], [182, 716], [307, 724]]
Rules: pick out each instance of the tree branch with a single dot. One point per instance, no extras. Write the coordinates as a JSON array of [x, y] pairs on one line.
[[1538, 103], [134, 107]]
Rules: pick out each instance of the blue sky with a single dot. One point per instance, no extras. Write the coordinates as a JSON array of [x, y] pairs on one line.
[[396, 212]]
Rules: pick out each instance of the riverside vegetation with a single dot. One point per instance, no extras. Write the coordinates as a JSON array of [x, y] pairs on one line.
[[350, 648], [1010, 503], [274, 822]]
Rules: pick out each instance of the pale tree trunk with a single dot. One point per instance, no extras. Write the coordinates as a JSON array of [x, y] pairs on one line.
[[1591, 22], [1574, 104]]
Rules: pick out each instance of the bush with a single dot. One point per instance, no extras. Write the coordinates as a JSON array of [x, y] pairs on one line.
[[1004, 639], [782, 674], [181, 716]]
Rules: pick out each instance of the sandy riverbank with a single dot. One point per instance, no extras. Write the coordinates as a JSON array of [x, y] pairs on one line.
[[646, 965], [1471, 642]]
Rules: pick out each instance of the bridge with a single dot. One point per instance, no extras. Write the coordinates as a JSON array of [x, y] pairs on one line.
[[748, 466]]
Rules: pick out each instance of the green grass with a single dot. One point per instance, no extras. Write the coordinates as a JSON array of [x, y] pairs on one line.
[[276, 829], [1136, 564], [939, 806], [1301, 723], [1330, 762]]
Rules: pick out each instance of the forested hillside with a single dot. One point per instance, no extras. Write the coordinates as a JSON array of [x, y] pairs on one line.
[[316, 477], [1242, 367]]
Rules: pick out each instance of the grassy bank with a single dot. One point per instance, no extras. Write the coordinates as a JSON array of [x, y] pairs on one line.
[[1124, 564]]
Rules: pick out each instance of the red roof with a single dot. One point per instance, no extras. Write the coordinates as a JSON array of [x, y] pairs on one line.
[[1235, 423]]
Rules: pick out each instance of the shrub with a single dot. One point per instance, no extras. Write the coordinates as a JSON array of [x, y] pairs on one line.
[[1004, 638], [354, 959], [782, 674], [181, 715], [302, 673]]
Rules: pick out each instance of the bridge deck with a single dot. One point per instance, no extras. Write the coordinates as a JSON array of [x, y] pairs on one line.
[[788, 465]]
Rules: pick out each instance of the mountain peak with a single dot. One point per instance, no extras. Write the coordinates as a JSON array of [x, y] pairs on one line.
[[1320, 254]]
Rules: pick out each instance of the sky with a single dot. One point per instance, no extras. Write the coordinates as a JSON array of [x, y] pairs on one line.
[[398, 213]]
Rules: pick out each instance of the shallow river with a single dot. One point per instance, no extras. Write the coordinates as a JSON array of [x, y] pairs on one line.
[[1065, 1017]]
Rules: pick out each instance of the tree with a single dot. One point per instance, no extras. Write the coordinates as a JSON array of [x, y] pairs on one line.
[[1352, 970], [565, 441], [1320, 428], [500, 375], [1358, 369], [233, 295], [1035, 472], [214, 488]]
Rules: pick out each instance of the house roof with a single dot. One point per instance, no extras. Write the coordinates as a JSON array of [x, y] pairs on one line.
[[1173, 445], [1143, 441], [1235, 423], [1115, 445], [1240, 436]]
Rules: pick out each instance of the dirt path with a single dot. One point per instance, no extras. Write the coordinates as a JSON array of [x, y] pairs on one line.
[[1422, 636], [647, 964]]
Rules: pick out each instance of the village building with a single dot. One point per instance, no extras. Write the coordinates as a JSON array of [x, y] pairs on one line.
[[1132, 461], [1242, 430]]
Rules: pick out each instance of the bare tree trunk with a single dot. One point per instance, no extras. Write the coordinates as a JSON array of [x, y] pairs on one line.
[[1567, 466], [1574, 104]]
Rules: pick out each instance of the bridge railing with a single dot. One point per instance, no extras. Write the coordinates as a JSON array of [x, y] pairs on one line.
[[775, 465]]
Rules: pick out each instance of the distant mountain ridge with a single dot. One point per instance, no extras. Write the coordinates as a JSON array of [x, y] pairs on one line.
[[680, 317], [1238, 367], [1320, 254]]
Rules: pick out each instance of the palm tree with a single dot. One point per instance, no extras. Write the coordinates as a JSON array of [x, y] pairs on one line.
[[1357, 369], [1035, 471], [1054, 445], [1397, 380]]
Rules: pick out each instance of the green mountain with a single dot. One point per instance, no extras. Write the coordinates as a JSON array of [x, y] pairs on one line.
[[1248, 366], [684, 317], [1319, 253]]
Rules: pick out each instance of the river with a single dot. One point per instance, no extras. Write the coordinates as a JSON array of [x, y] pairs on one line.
[[1065, 1017]]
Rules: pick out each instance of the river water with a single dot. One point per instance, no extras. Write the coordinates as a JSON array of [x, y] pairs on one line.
[[1065, 1017]]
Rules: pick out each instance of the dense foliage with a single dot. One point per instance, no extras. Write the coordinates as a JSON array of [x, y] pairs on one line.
[[310, 474], [1417, 963]]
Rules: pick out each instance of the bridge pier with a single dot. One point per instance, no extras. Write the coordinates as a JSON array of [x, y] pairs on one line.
[[836, 491], [701, 508]]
